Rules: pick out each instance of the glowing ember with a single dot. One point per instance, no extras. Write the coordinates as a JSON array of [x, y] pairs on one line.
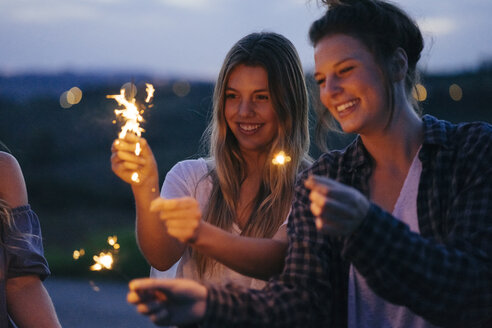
[[112, 240], [138, 149], [150, 92], [135, 177], [103, 261], [78, 253], [281, 158]]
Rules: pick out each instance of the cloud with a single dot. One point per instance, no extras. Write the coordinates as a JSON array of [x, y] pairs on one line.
[[437, 26], [37, 13], [189, 4]]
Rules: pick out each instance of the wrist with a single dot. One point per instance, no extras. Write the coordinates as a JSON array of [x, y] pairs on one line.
[[147, 189], [195, 240]]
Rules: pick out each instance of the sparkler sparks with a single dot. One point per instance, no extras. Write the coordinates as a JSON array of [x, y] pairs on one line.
[[103, 261], [78, 253], [281, 158], [132, 116], [150, 92], [138, 149]]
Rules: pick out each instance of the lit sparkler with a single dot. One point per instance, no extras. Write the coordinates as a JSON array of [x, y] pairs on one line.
[[103, 261], [132, 117], [281, 158]]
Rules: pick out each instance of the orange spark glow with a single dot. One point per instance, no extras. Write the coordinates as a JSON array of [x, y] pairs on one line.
[[135, 177], [78, 253], [150, 92], [112, 240], [138, 149], [103, 261], [130, 114], [281, 158]]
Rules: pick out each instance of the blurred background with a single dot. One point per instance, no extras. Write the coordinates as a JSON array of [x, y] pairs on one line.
[[59, 60]]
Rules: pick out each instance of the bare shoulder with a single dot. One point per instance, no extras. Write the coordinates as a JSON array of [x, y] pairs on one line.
[[12, 185]]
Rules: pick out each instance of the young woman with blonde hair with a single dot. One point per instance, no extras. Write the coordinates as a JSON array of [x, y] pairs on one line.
[[232, 206]]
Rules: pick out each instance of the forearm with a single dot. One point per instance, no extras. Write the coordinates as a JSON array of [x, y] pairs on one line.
[[255, 257], [446, 281], [160, 249], [300, 297], [29, 304]]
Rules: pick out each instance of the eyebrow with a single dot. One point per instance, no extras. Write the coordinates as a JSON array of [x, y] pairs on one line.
[[344, 60], [254, 91], [341, 62]]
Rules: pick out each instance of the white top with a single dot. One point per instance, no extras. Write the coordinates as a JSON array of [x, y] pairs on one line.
[[365, 308], [189, 178]]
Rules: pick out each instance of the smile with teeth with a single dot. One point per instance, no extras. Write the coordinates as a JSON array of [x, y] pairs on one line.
[[346, 105], [249, 127]]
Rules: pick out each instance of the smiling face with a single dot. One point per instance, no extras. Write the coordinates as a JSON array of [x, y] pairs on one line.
[[351, 84], [249, 111]]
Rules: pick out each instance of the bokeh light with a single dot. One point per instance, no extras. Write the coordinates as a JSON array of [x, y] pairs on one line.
[[455, 92], [64, 101], [181, 88], [130, 90], [70, 97], [419, 93]]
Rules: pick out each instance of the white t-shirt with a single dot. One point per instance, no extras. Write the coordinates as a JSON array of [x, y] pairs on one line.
[[365, 308], [189, 178]]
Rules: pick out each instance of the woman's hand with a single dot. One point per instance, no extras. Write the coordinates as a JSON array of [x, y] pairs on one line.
[[132, 168], [181, 216], [339, 209], [169, 301]]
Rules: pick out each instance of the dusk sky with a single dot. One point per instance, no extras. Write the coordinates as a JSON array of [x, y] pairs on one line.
[[190, 38]]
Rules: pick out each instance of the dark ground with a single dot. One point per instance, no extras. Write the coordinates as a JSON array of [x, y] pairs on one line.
[[82, 303]]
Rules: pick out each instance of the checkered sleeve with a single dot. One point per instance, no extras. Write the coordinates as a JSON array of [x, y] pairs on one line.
[[447, 279], [298, 297]]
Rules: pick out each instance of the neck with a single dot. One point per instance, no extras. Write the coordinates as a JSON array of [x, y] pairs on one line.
[[254, 163], [397, 145]]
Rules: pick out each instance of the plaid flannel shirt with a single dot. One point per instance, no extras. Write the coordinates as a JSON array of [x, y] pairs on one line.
[[444, 274]]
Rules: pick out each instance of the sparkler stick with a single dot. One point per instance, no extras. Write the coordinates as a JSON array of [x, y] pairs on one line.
[[132, 117]]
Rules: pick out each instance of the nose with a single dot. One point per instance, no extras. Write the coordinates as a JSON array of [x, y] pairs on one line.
[[245, 108], [331, 88]]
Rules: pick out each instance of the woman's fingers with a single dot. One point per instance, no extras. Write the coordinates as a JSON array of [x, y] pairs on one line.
[[162, 204], [338, 209], [181, 216]]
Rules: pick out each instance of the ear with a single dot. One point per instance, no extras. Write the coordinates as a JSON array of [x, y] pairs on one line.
[[399, 65]]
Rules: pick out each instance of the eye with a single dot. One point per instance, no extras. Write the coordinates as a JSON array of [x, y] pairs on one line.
[[262, 97], [319, 81], [345, 70], [230, 96]]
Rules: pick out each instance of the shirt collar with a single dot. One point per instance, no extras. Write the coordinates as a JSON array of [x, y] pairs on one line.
[[435, 131]]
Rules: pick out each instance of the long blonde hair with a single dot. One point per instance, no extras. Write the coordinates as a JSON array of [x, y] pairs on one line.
[[288, 92]]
